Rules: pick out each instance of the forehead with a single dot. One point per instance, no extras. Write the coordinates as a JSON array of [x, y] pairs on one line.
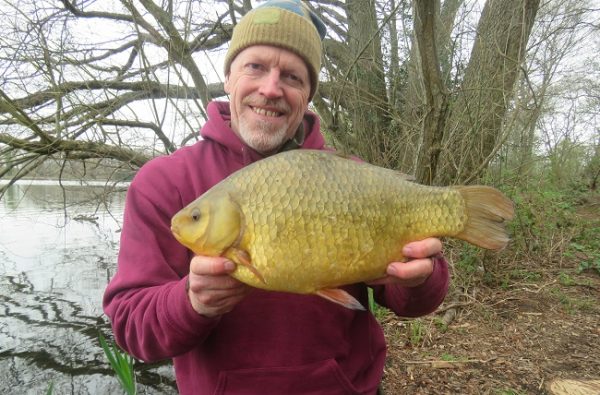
[[273, 56]]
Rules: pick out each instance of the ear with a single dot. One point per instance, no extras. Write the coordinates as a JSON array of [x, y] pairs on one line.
[[226, 85]]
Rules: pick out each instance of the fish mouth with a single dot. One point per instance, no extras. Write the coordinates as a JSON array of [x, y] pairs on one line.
[[175, 232], [191, 246]]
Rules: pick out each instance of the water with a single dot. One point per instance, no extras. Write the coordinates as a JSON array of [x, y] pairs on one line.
[[58, 248]]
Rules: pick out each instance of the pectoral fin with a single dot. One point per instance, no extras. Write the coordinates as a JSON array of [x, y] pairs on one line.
[[241, 257], [341, 297]]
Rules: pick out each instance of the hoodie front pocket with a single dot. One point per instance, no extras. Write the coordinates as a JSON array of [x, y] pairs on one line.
[[323, 377]]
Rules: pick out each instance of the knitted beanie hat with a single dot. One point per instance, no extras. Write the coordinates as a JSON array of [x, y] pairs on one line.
[[283, 23]]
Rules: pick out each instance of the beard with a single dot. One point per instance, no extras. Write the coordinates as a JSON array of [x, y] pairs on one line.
[[263, 136]]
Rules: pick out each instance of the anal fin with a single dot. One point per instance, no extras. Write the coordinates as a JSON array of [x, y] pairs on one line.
[[341, 297]]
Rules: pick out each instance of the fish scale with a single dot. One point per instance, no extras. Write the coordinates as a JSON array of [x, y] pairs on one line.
[[307, 221]]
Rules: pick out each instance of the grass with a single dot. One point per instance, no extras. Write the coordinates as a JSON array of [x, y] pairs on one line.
[[449, 357], [416, 330], [524, 275], [121, 363], [378, 311], [566, 279], [571, 304], [440, 324]]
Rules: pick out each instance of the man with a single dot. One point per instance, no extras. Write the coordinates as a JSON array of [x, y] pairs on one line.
[[224, 336]]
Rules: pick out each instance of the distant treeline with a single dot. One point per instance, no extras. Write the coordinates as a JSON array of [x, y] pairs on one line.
[[89, 169]]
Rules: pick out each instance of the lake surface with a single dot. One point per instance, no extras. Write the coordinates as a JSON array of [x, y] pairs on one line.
[[58, 248]]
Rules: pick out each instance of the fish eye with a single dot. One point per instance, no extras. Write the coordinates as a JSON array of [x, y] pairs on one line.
[[196, 215]]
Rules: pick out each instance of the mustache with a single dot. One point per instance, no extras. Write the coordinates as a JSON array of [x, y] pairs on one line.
[[259, 101]]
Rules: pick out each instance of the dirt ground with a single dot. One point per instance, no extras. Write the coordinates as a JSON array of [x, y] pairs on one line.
[[508, 338], [513, 341]]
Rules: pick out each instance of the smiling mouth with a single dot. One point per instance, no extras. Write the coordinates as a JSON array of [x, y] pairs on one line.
[[267, 113]]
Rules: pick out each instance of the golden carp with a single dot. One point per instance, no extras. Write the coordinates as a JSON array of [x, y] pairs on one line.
[[308, 221]]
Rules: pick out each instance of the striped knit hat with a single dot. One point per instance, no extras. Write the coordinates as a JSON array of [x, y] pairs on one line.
[[283, 23]]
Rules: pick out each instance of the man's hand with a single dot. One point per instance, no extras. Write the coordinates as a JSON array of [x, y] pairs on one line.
[[417, 268], [212, 291]]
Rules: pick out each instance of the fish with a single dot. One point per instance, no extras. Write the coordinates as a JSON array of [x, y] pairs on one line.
[[311, 221]]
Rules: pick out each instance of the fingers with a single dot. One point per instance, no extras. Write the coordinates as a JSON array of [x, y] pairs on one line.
[[205, 265], [211, 273], [411, 273], [418, 267], [218, 302], [407, 274], [423, 248], [212, 291], [415, 269]]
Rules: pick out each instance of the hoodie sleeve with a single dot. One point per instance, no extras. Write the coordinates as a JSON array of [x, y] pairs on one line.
[[146, 301], [420, 300]]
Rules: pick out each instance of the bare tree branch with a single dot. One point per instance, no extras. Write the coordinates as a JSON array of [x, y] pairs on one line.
[[71, 147]]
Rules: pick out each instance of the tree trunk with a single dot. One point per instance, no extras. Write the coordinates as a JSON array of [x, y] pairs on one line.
[[476, 115], [431, 49], [433, 90], [368, 104]]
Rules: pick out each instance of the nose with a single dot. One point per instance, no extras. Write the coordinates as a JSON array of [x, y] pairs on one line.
[[271, 84]]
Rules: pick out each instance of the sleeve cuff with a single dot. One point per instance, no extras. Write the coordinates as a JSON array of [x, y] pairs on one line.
[[422, 299], [182, 316]]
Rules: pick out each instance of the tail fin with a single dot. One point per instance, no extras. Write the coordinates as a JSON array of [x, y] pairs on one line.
[[487, 210]]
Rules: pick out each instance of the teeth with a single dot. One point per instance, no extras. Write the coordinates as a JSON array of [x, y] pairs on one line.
[[267, 113]]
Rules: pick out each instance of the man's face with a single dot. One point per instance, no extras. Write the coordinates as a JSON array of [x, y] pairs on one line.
[[269, 89]]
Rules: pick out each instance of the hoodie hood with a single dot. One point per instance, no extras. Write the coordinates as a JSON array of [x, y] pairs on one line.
[[218, 129]]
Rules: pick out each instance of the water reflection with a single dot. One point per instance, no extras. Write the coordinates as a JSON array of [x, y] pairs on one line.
[[58, 249]]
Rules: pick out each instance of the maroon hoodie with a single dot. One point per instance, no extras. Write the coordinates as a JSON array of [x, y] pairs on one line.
[[271, 343]]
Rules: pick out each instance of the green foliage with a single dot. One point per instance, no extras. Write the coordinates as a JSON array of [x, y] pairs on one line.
[[524, 275], [592, 169], [378, 311], [572, 304], [566, 280], [121, 363], [553, 228], [546, 221], [565, 163], [372, 304], [448, 357], [541, 212], [416, 330], [586, 248], [440, 324], [469, 259]]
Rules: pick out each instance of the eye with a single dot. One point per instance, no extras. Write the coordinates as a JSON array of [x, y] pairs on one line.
[[294, 79], [195, 215], [254, 67]]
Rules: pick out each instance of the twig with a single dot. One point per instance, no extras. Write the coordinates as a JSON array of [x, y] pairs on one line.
[[453, 306], [442, 362]]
